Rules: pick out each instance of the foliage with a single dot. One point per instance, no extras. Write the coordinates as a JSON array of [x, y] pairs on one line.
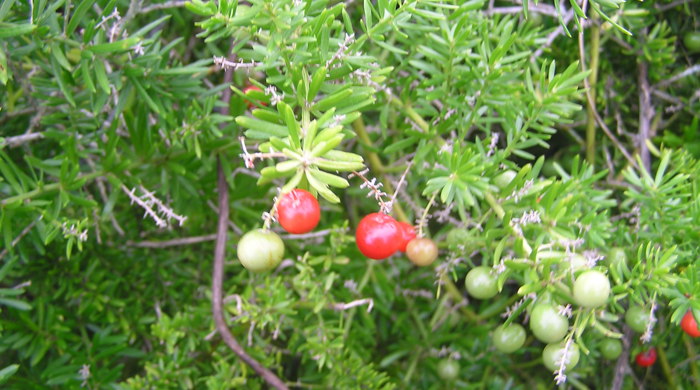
[[114, 114]]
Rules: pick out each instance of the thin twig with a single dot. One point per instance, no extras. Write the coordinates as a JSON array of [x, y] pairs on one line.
[[306, 236], [217, 287], [666, 7], [552, 36], [14, 242], [8, 115], [690, 71], [173, 242], [218, 270], [401, 181], [646, 113], [622, 367], [169, 4], [18, 140], [540, 9], [591, 102], [359, 302]]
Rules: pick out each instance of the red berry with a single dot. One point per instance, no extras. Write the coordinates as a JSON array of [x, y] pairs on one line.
[[298, 211], [378, 236], [689, 325], [252, 88], [646, 358], [408, 233]]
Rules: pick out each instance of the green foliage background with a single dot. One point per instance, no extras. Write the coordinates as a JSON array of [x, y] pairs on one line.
[[101, 98]]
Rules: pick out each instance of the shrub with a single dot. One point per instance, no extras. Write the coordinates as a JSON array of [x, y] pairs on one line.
[[140, 141]]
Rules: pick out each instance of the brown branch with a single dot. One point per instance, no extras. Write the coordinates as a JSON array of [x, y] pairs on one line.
[[690, 71], [646, 113], [218, 271], [591, 102], [622, 367], [173, 242], [553, 35], [18, 140], [666, 7], [170, 4], [16, 240], [217, 287], [544, 9], [11, 114]]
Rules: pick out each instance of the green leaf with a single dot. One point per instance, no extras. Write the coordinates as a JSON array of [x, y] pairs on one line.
[[101, 75], [77, 16], [7, 372], [322, 188], [332, 100], [8, 30], [5, 8], [144, 94], [85, 71], [62, 81], [368, 14], [339, 155], [287, 166], [329, 179], [58, 54], [4, 76], [391, 48], [317, 81], [294, 181], [106, 48], [324, 147], [16, 303], [263, 127], [292, 124], [339, 166]]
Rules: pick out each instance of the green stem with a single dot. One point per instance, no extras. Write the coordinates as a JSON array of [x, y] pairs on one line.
[[592, 80], [413, 115], [43, 189], [363, 282], [412, 367], [495, 206], [419, 322], [691, 352], [666, 368], [375, 164], [423, 217], [457, 297]]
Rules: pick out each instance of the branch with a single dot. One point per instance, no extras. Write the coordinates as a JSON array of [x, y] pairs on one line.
[[169, 4], [541, 9], [666, 7], [173, 242], [18, 140], [622, 366], [553, 35], [690, 71], [591, 102], [306, 236], [218, 271], [16, 240], [217, 287], [646, 113]]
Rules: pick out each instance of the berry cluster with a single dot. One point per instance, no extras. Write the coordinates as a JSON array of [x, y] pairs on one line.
[[379, 236]]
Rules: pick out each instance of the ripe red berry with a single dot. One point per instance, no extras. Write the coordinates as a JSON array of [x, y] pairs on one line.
[[252, 88], [298, 211], [689, 325], [408, 233], [646, 358], [378, 236]]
